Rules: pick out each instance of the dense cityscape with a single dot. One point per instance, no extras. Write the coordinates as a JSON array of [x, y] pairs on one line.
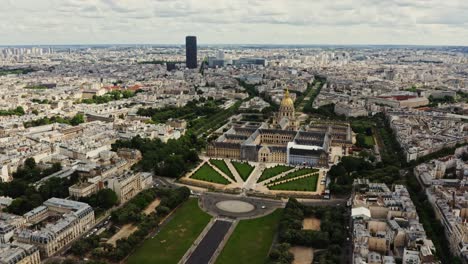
[[233, 154]]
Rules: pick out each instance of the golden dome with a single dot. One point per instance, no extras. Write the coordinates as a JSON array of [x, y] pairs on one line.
[[287, 101]]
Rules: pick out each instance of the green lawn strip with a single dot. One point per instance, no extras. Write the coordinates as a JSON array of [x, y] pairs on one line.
[[207, 173], [175, 238], [273, 171], [243, 168], [369, 140], [221, 165], [294, 174], [251, 240], [308, 184]]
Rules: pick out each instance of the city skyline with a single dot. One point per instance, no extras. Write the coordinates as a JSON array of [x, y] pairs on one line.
[[365, 22]]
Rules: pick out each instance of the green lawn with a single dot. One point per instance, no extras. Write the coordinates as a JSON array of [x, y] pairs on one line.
[[273, 171], [207, 173], [175, 238], [308, 184], [243, 168], [251, 240], [369, 140], [221, 165], [294, 174]]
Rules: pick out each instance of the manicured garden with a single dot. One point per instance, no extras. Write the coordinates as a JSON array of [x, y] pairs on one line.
[[251, 240], [243, 168], [175, 238], [306, 184], [207, 173], [294, 174], [273, 171], [221, 165]]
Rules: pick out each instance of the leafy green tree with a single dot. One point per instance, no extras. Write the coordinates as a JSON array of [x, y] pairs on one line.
[[20, 205], [77, 119], [107, 198], [30, 163], [19, 110]]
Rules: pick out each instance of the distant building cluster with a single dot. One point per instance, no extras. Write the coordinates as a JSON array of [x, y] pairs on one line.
[[421, 133], [18, 54]]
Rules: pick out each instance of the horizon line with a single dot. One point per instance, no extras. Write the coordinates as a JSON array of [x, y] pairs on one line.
[[231, 44]]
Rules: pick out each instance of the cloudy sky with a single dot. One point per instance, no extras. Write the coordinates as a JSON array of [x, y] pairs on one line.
[[429, 22]]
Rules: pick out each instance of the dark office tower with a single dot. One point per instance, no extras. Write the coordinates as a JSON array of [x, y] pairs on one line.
[[191, 52]]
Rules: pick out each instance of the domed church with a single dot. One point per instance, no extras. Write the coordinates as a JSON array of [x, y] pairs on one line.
[[281, 141], [285, 119]]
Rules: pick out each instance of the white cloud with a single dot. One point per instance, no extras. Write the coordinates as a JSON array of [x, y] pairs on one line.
[[235, 21]]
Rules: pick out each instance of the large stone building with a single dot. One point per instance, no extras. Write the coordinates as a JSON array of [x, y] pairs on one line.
[[66, 220], [282, 142]]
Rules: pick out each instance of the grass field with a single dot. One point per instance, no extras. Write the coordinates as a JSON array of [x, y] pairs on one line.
[[175, 238], [369, 140], [273, 171], [307, 184], [295, 174], [251, 240], [243, 168], [221, 165], [207, 173]]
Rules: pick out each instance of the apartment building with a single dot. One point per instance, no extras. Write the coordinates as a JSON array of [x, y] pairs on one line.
[[128, 185], [386, 227], [19, 253], [74, 219]]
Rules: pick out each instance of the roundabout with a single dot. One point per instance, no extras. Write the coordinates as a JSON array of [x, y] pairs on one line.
[[235, 206]]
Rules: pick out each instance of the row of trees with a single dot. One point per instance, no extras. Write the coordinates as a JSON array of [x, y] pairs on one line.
[[318, 82], [101, 201], [209, 123], [171, 159], [108, 97], [19, 111], [74, 121], [39, 101], [190, 111], [5, 71], [342, 174], [26, 196], [280, 254], [444, 100], [132, 213], [327, 111]]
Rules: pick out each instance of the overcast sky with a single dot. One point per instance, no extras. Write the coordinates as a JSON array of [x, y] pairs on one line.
[[428, 22]]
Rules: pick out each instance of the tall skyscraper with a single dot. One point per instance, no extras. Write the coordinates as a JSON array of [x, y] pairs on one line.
[[191, 52]]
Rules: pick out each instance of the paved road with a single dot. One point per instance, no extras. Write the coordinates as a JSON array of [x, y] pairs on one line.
[[262, 206], [209, 243]]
